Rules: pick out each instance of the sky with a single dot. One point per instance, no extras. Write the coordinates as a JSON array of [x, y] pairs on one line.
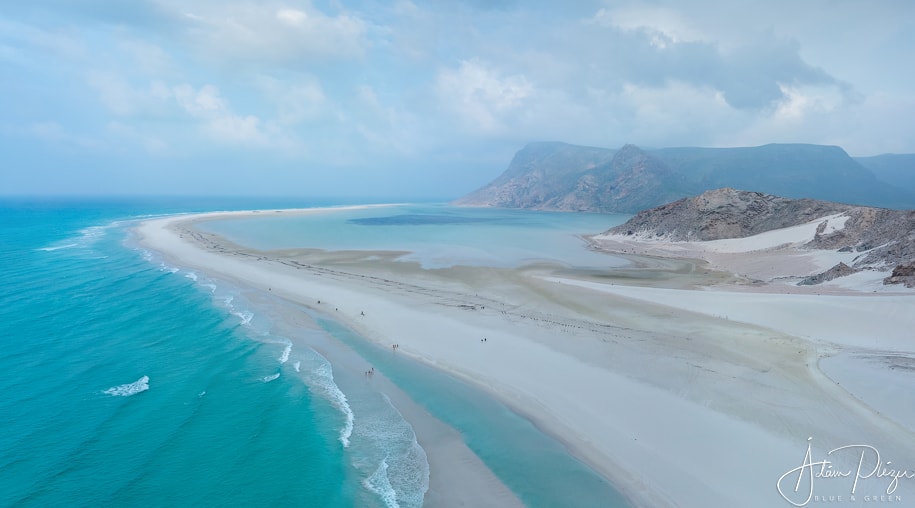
[[401, 99]]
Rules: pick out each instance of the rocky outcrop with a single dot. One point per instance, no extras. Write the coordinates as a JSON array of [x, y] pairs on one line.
[[883, 238], [902, 274], [725, 213], [840, 270]]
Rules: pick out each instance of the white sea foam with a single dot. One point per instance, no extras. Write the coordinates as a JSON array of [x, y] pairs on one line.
[[245, 316], [165, 268], [93, 233], [399, 474], [58, 247], [297, 366], [284, 356], [212, 287], [320, 379], [408, 474], [140, 385], [191, 275], [271, 377], [380, 484], [86, 238], [201, 394]]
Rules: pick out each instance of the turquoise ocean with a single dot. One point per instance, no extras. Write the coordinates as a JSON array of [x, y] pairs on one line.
[[129, 382]]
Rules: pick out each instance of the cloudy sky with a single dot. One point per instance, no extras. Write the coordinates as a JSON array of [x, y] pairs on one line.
[[426, 99]]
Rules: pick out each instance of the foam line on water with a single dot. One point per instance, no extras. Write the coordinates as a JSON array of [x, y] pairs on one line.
[[126, 390], [245, 317], [387, 452], [87, 237], [58, 247], [380, 484], [284, 356], [320, 379], [271, 377]]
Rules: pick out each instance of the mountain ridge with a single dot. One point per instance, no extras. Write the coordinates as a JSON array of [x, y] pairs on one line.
[[565, 177]]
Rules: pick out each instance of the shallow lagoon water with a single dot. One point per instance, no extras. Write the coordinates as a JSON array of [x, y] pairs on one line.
[[436, 236]]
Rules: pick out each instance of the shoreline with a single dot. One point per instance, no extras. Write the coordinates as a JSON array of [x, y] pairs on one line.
[[610, 352]]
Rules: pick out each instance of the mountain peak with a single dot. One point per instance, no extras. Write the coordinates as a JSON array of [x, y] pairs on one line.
[[560, 176]]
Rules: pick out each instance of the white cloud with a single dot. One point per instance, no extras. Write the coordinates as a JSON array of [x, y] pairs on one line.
[[204, 102], [480, 95], [665, 24], [296, 99], [236, 128], [292, 16], [426, 81], [800, 102], [269, 32], [676, 114], [114, 92], [387, 128], [217, 120]]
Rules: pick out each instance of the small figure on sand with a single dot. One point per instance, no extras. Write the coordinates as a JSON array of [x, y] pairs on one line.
[[395, 346], [363, 313]]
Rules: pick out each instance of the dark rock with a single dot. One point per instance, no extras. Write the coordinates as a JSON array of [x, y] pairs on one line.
[[726, 213], [902, 274], [840, 270], [884, 237]]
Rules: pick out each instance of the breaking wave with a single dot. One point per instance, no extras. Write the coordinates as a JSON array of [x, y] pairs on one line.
[[126, 390], [320, 379]]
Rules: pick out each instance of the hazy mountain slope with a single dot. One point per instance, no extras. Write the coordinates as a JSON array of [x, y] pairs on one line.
[[559, 176], [539, 174], [897, 170], [790, 170]]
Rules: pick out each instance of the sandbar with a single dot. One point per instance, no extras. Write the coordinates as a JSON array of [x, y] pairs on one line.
[[676, 401]]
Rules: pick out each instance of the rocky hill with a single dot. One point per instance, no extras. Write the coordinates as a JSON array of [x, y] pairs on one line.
[[726, 213], [559, 176], [884, 238]]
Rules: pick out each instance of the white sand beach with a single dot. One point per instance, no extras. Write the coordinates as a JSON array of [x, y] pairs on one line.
[[680, 397]]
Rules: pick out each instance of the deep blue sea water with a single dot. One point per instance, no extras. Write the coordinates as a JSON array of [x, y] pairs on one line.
[[129, 382]]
